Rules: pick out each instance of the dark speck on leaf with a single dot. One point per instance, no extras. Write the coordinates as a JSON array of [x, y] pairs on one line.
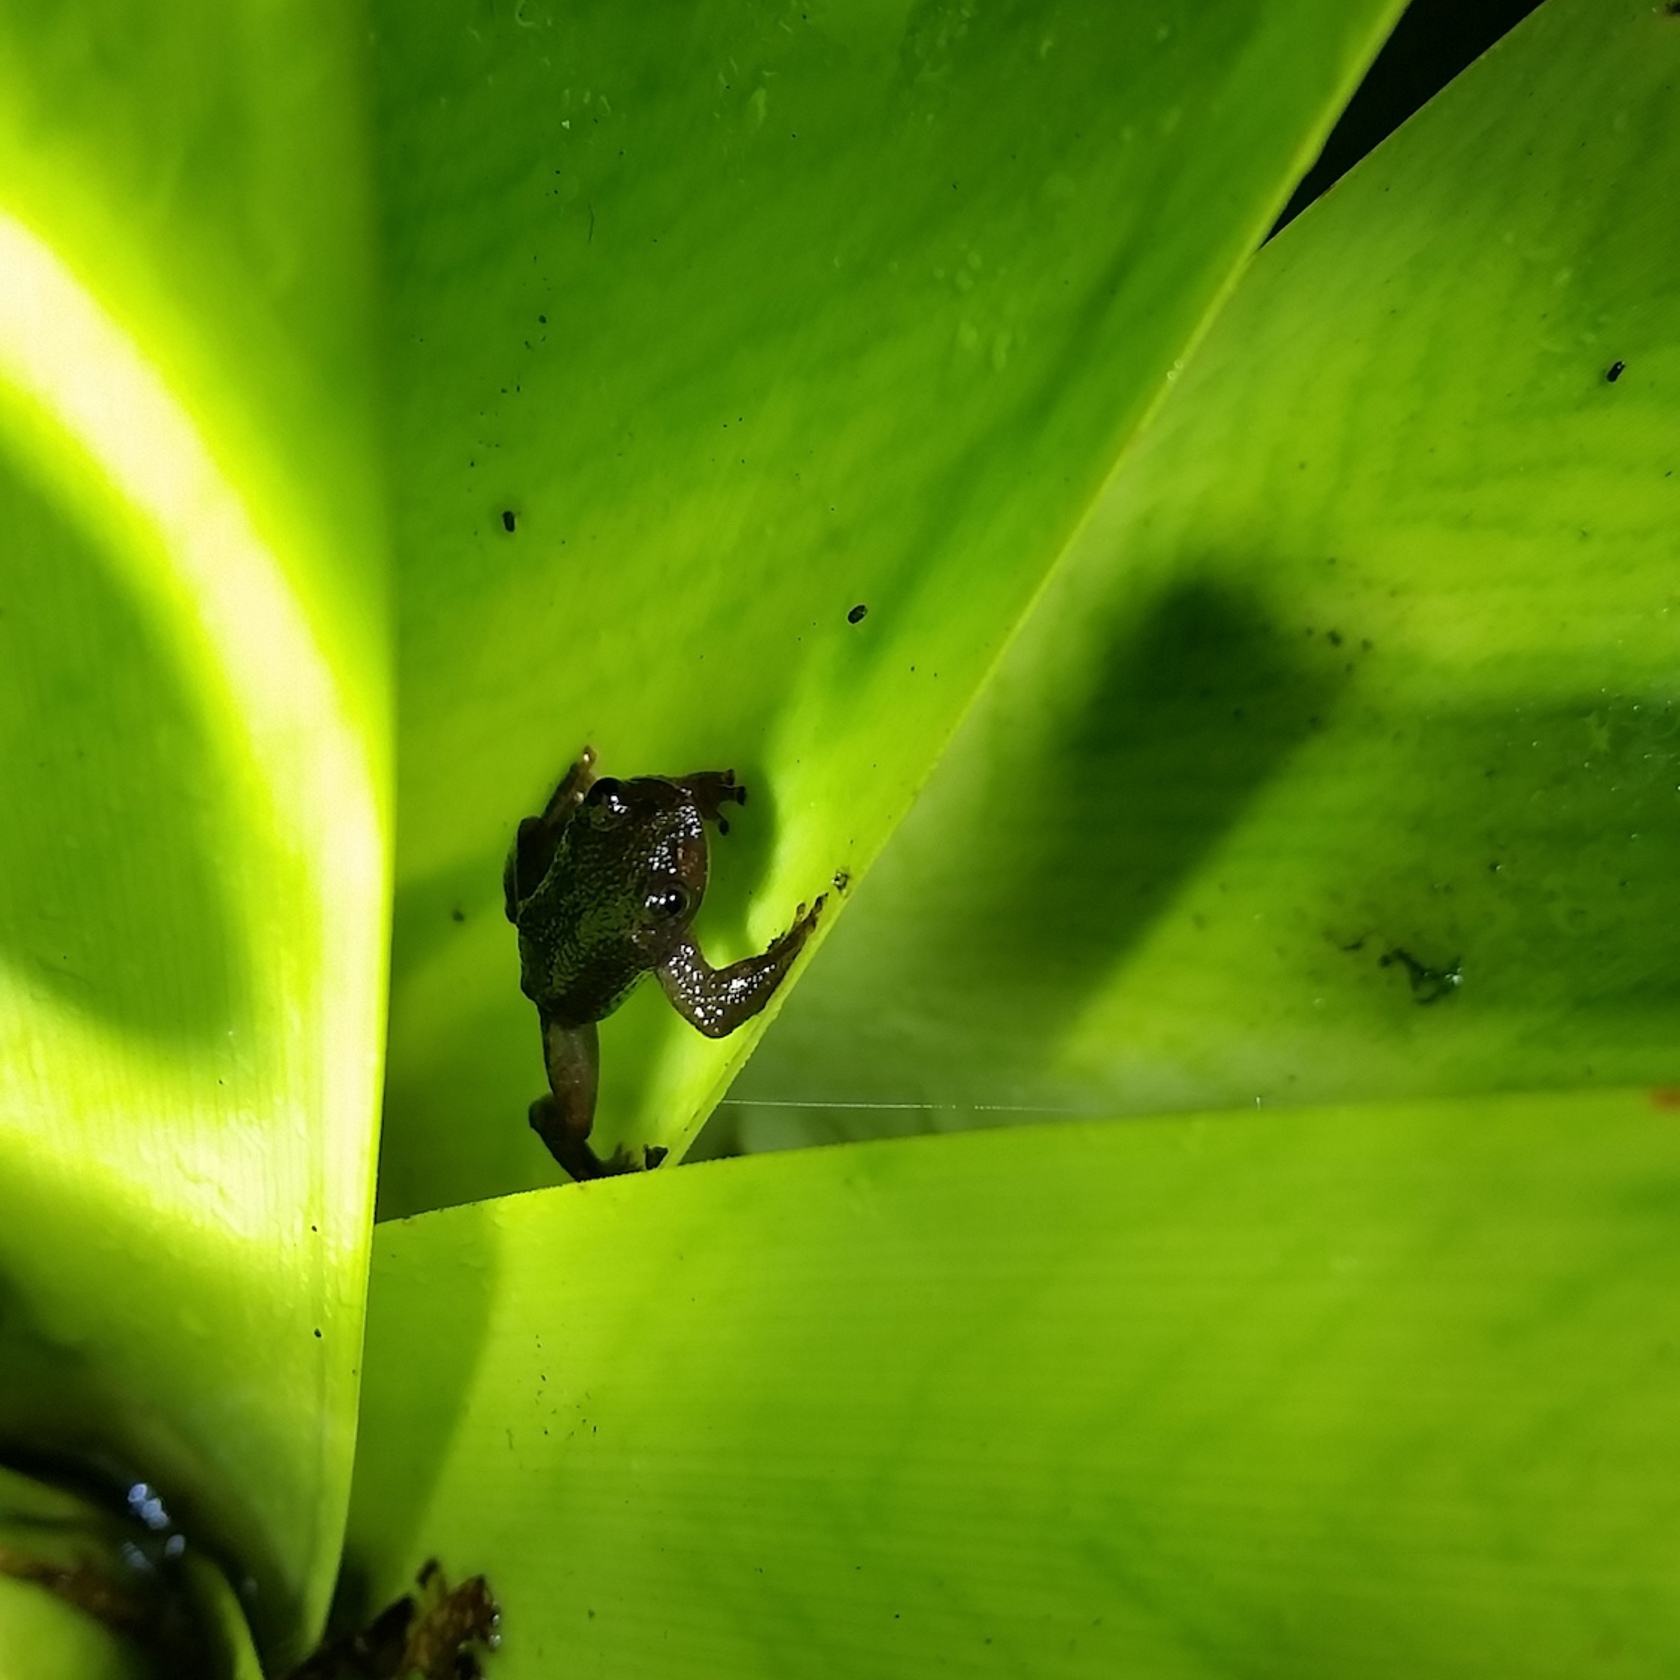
[[1615, 371], [1335, 637], [1429, 985], [842, 880], [457, 914], [858, 614], [508, 519]]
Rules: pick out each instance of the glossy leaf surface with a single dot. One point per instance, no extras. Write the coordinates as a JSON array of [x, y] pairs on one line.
[[1382, 1391], [193, 719], [1367, 662], [708, 330]]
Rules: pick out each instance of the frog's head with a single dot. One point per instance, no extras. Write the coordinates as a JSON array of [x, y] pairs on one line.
[[646, 836]]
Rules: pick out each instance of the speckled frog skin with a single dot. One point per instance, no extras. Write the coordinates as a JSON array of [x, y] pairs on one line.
[[603, 887]]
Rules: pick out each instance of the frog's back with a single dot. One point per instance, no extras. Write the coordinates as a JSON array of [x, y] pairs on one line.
[[603, 913], [578, 959]]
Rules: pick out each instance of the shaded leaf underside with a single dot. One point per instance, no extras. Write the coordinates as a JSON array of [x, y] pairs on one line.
[[1369, 649]]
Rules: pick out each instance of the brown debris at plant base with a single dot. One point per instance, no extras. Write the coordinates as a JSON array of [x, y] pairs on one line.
[[434, 1634]]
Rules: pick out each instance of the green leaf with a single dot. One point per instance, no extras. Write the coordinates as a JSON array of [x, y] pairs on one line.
[[193, 719], [61, 1644], [1369, 650], [746, 318], [1384, 1391], [90, 1589]]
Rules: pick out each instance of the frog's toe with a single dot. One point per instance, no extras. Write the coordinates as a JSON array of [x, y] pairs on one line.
[[804, 924], [626, 1159]]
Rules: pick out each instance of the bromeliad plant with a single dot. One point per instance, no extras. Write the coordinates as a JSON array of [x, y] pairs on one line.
[[393, 405]]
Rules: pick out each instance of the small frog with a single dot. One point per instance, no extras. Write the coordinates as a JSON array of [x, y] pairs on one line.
[[603, 887]]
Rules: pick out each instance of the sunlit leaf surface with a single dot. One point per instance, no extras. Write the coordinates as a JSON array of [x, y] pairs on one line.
[[1383, 1392], [193, 716], [710, 325], [1366, 668]]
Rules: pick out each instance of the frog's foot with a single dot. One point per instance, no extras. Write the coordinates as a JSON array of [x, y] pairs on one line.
[[571, 1147], [787, 946], [627, 1159], [711, 790], [566, 1143]]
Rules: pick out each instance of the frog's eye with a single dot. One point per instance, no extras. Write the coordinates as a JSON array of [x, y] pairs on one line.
[[668, 901], [606, 802]]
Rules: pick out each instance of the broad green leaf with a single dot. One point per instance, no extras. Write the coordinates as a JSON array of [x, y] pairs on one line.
[[47, 1640], [42, 1638], [744, 316], [193, 717], [1381, 1392], [1370, 649]]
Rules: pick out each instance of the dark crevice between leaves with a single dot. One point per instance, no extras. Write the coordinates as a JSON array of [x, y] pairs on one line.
[[1432, 43], [68, 1426], [436, 1632], [112, 1553]]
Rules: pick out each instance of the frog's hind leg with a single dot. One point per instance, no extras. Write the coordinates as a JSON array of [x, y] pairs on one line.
[[711, 790], [538, 837], [565, 1117], [574, 1152]]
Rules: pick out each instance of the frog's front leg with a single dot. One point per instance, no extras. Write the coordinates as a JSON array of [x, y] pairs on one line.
[[535, 843], [718, 1000], [711, 790], [577, 781]]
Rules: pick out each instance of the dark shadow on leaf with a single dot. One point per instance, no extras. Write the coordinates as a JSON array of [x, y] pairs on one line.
[[111, 893], [70, 1417], [431, 912], [440, 1296], [1199, 702], [1539, 847]]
